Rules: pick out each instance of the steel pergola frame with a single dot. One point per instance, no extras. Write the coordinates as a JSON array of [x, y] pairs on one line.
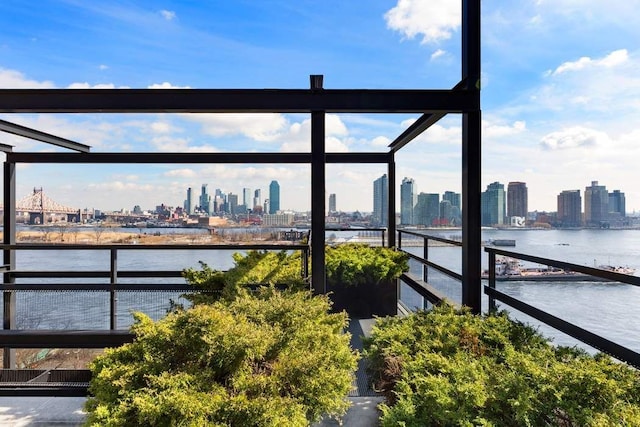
[[463, 99]]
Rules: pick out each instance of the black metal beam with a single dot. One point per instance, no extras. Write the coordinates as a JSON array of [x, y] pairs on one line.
[[57, 338], [423, 123], [234, 101], [471, 160], [194, 158], [9, 256], [391, 194], [37, 135], [318, 190]]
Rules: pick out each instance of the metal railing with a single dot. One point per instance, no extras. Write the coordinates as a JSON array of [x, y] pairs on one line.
[[421, 284], [602, 344]]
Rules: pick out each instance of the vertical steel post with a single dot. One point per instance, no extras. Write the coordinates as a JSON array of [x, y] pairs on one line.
[[318, 164], [492, 280], [113, 296], [471, 160], [391, 192], [9, 256], [425, 255]]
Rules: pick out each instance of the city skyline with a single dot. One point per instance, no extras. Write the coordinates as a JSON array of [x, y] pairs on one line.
[[551, 115]]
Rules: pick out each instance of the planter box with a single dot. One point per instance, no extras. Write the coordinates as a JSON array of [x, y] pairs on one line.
[[365, 301]]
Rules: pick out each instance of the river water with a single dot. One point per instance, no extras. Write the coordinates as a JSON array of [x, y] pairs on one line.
[[611, 310]]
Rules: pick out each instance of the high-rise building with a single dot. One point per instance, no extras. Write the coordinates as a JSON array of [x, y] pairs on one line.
[[381, 201], [570, 208], [188, 204], [274, 197], [407, 201], [257, 199], [596, 204], [204, 200], [517, 199], [493, 204], [456, 206], [427, 209], [332, 202], [247, 199], [446, 213], [617, 203], [232, 201]]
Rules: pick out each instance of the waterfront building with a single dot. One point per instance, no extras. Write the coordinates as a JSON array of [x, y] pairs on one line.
[[274, 197], [446, 213], [246, 198], [205, 200], [596, 204], [278, 220], [188, 203], [493, 205], [407, 201], [332, 203], [232, 201], [381, 201], [257, 203], [517, 199], [427, 209], [570, 208], [456, 205], [617, 203]]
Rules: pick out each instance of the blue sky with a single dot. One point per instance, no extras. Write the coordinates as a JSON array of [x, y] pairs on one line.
[[560, 92]]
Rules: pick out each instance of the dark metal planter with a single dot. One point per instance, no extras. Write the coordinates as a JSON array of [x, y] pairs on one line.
[[365, 301]]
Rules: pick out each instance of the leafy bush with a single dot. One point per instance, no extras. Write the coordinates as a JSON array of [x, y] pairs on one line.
[[265, 359], [359, 264], [252, 268], [448, 367]]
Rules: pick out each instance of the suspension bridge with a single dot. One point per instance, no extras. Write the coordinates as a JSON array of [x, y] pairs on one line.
[[41, 208]]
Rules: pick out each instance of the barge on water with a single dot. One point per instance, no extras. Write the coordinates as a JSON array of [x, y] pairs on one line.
[[510, 269]]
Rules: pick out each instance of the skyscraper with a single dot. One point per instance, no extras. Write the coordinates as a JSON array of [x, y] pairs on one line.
[[493, 204], [232, 200], [257, 199], [617, 203], [570, 208], [332, 202], [456, 206], [247, 200], [188, 204], [596, 204], [427, 209], [517, 196], [407, 201], [204, 200], [274, 197], [381, 201]]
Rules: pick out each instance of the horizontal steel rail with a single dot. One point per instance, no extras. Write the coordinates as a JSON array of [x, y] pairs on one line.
[[237, 100], [606, 346], [600, 343], [430, 237], [127, 247], [64, 338], [435, 266], [424, 289]]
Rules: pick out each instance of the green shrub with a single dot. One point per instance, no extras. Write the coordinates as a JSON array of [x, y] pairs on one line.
[[448, 367], [265, 359], [360, 264]]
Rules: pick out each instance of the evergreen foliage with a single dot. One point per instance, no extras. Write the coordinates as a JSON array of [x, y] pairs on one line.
[[354, 264], [262, 359], [451, 368]]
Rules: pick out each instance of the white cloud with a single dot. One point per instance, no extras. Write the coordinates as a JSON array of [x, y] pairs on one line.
[[85, 85], [261, 127], [574, 137], [613, 59], [166, 85], [181, 173], [169, 15], [380, 141], [437, 54], [103, 67], [11, 79], [493, 130], [434, 20]]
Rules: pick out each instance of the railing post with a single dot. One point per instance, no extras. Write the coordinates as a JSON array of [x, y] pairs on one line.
[[425, 255], [492, 280], [113, 299], [9, 256], [399, 239], [383, 237]]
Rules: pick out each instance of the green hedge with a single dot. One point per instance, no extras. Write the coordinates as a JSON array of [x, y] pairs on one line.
[[451, 368], [265, 359]]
